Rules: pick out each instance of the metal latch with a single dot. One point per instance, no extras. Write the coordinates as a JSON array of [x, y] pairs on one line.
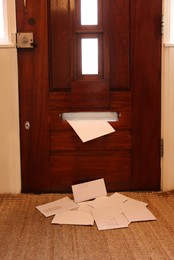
[[24, 40]]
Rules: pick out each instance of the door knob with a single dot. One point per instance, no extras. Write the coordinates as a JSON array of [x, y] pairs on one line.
[[27, 125]]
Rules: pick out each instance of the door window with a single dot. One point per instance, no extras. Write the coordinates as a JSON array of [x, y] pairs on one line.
[[89, 39], [3, 22], [89, 56], [89, 12]]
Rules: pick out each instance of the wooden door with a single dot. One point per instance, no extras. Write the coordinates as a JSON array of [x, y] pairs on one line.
[[128, 82]]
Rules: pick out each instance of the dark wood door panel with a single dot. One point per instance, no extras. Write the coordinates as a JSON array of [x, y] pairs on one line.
[[128, 82], [90, 94], [119, 27], [33, 97], [59, 101], [146, 93], [69, 141], [59, 38], [69, 169], [120, 102], [114, 27]]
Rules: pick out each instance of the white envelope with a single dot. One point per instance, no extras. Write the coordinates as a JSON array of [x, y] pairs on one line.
[[89, 190], [112, 201], [83, 206], [136, 211], [57, 206], [118, 198], [91, 129], [73, 217], [109, 218], [100, 202]]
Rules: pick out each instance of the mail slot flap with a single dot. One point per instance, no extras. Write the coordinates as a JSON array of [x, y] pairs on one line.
[[106, 116]]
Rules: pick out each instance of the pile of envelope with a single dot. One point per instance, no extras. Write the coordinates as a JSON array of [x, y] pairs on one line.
[[92, 204]]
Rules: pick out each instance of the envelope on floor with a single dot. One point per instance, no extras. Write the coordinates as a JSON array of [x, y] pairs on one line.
[[136, 211], [57, 206], [83, 206], [113, 201], [109, 218], [100, 202], [89, 190], [73, 217], [118, 198]]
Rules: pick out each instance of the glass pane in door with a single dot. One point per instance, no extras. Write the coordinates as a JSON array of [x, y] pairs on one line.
[[89, 12], [89, 56], [2, 33]]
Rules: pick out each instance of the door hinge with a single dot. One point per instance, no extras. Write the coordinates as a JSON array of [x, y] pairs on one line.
[[162, 24], [162, 147]]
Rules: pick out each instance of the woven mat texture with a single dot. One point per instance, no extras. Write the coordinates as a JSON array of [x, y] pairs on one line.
[[26, 234]]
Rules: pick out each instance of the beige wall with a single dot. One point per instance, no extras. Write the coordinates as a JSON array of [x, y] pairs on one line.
[[9, 122], [167, 162], [10, 180]]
